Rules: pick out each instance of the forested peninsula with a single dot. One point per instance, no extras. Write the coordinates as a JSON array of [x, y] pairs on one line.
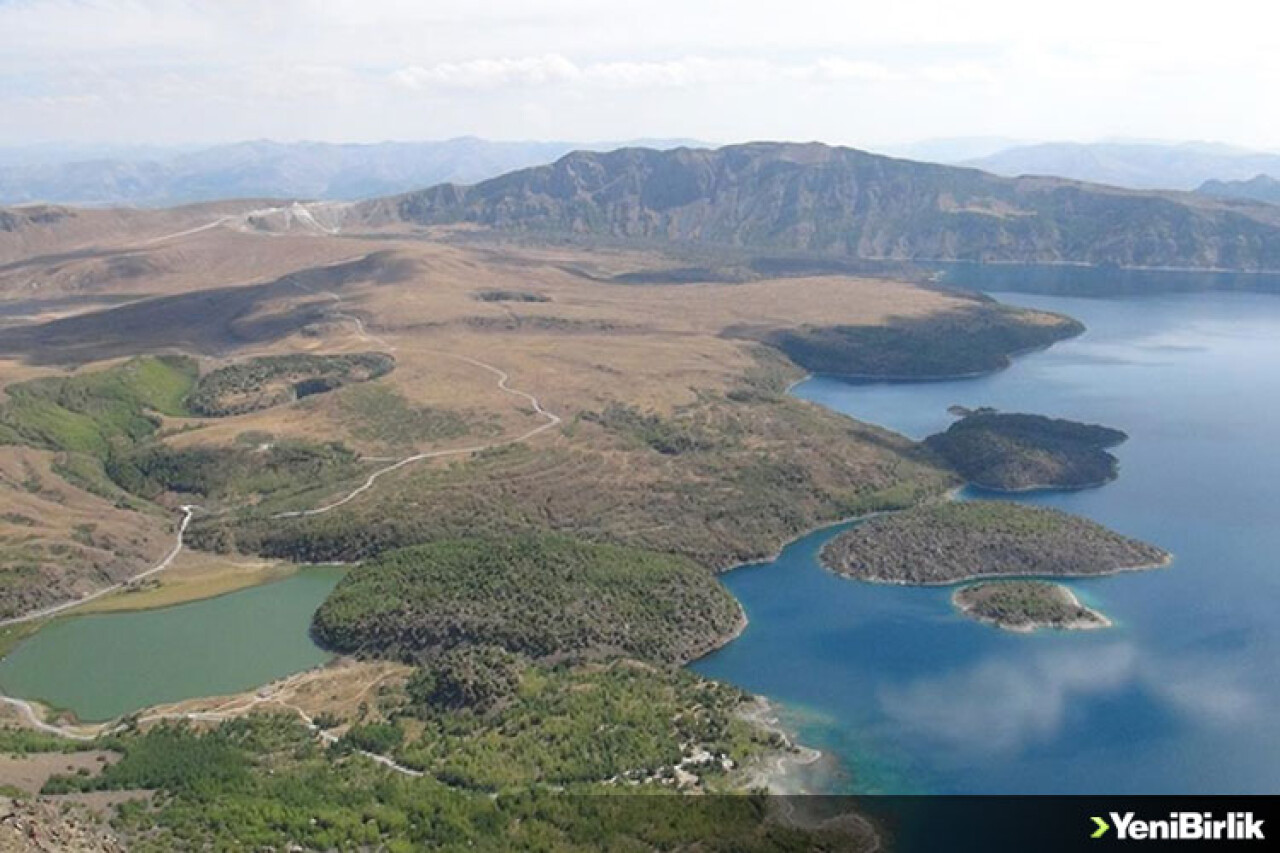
[[945, 543], [1020, 452]]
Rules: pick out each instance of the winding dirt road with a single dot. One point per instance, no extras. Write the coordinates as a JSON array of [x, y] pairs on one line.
[[552, 420], [187, 511], [274, 697], [25, 709], [29, 713]]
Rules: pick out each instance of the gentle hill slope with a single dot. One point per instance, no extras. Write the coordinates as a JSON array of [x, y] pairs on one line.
[[841, 202]]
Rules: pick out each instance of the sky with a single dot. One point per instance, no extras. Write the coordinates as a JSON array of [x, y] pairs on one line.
[[847, 72]]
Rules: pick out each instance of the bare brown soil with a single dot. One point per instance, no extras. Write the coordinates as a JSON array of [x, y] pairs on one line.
[[30, 772]]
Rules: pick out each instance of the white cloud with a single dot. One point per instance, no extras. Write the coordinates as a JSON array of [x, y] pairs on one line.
[[689, 71], [834, 69], [960, 72], [554, 69], [1032, 696], [490, 73], [808, 68]]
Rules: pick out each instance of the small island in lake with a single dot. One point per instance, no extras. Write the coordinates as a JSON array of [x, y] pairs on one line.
[[951, 542], [1017, 452], [1023, 605]]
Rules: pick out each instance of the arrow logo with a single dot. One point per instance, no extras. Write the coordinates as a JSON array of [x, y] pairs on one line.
[[1103, 826]]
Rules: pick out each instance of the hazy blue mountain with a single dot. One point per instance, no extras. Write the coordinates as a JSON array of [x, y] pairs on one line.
[[1258, 188], [1137, 165], [950, 150], [262, 169], [841, 202], [47, 153]]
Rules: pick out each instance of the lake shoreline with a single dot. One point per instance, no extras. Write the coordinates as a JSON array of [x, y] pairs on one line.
[[888, 672], [217, 587], [909, 379], [777, 771], [267, 639], [780, 777], [724, 639], [1043, 487], [995, 576]]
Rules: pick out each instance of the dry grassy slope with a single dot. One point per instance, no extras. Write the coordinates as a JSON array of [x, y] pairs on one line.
[[34, 230], [223, 293], [113, 265], [58, 541], [588, 345], [734, 503]]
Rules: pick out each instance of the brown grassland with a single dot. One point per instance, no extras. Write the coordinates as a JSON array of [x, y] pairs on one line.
[[749, 467], [675, 435], [61, 541]]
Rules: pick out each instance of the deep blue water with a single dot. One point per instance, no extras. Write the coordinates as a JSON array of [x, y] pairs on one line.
[[1181, 696]]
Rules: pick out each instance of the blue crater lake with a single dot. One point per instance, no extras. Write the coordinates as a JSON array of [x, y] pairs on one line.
[[1181, 696]]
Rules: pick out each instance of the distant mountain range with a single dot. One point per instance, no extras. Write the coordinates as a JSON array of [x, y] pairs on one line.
[[841, 202], [151, 176], [949, 150], [263, 169], [1259, 188], [1134, 165]]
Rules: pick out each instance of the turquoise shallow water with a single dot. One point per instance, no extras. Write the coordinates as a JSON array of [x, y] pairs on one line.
[[1181, 696], [101, 666]]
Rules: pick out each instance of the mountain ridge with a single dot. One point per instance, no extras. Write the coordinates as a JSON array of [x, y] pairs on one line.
[[1263, 188], [843, 202]]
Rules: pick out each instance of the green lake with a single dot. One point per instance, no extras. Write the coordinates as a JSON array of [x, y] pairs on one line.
[[104, 665]]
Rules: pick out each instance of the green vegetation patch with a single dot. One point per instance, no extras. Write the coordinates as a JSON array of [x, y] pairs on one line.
[[1015, 452], [669, 436], [92, 412], [380, 414], [90, 474], [289, 466], [267, 381], [265, 783], [171, 756], [477, 678], [958, 343], [777, 467], [1023, 605], [565, 725], [541, 596], [955, 541], [27, 742]]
